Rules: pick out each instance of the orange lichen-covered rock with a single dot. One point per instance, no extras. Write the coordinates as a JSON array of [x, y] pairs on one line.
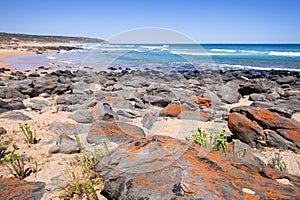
[[173, 110], [114, 131], [201, 101], [162, 167], [266, 128], [15, 189], [245, 129]]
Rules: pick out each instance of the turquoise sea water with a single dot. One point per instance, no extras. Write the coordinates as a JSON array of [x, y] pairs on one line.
[[174, 56]]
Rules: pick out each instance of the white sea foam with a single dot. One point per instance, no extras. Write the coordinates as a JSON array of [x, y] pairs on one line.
[[223, 50], [279, 53], [51, 57]]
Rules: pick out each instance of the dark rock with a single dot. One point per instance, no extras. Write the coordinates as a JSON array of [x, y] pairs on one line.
[[265, 128], [149, 119], [66, 145], [250, 87], [117, 102], [39, 104], [114, 131], [69, 128], [262, 104], [257, 97], [103, 111], [161, 167], [156, 100], [82, 116], [2, 131], [286, 80], [15, 116], [68, 99], [8, 93], [21, 190], [126, 113]]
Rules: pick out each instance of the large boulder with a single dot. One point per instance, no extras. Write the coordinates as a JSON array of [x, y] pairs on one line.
[[258, 127], [113, 131], [21, 190], [162, 167]]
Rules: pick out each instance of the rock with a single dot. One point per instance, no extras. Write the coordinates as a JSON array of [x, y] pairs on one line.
[[198, 101], [103, 111], [19, 189], [69, 128], [173, 110], [45, 84], [245, 130], [2, 131], [127, 114], [262, 104], [15, 116], [195, 115], [82, 116], [66, 145], [265, 128], [161, 167], [117, 102], [156, 100], [286, 80], [13, 93], [229, 92], [249, 88], [282, 110], [113, 131], [149, 119], [39, 104], [257, 97]]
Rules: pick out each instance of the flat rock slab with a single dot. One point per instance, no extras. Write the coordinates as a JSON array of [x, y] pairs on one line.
[[14, 115], [114, 131], [162, 167], [20, 190], [69, 128]]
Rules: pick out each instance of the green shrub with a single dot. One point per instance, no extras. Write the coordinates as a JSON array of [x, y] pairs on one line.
[[15, 162], [4, 143], [83, 182], [217, 141], [278, 164], [30, 136]]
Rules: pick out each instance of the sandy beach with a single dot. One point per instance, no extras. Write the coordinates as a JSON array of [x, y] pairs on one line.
[[5, 53]]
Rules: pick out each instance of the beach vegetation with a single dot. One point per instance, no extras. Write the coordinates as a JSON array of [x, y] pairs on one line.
[[216, 141], [17, 163], [29, 135], [83, 182], [278, 164]]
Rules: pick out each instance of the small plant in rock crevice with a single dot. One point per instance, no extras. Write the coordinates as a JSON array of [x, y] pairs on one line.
[[30, 136], [4, 143], [278, 164], [16, 164]]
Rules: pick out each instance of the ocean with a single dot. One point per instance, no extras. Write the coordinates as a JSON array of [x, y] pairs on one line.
[[168, 57]]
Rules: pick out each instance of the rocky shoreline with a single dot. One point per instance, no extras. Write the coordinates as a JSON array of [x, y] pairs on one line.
[[130, 106]]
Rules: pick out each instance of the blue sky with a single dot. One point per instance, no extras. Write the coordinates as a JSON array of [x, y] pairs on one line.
[[205, 21]]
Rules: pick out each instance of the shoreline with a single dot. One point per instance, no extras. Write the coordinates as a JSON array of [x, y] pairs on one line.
[[6, 53]]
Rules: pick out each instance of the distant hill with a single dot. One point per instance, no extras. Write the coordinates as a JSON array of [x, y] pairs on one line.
[[19, 38]]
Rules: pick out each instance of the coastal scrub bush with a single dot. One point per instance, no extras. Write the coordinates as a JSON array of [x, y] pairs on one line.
[[4, 143], [278, 164], [217, 141], [83, 182], [30, 136], [15, 162]]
